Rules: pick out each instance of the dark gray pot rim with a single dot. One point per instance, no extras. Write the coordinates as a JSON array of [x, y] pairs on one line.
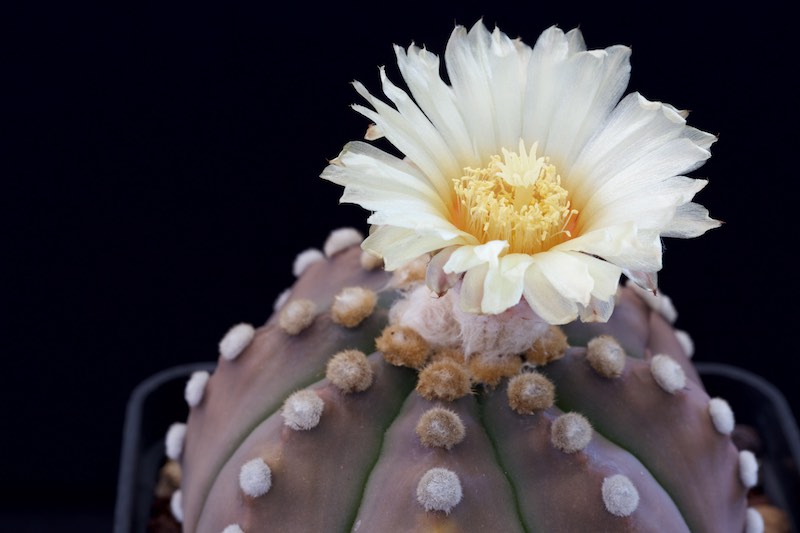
[[158, 401]]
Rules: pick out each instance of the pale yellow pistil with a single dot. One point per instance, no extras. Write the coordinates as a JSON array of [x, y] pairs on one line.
[[517, 198]]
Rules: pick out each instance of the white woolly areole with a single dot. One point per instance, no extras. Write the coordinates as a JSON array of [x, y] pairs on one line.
[[686, 342], [620, 495], [341, 239], [660, 303], [236, 340], [173, 443], [439, 489], [748, 469], [233, 528], [442, 323], [754, 522], [255, 477], [302, 410], [721, 415], [176, 505], [668, 373], [196, 387], [431, 317], [305, 259]]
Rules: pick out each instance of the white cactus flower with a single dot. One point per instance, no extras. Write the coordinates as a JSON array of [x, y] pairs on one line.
[[529, 174]]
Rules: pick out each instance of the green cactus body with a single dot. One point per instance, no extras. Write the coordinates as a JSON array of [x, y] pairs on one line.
[[272, 444]]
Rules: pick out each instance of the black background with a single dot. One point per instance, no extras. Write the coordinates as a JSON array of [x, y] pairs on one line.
[[160, 174]]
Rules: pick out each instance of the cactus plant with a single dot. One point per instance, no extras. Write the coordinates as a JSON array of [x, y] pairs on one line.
[[330, 435], [447, 377]]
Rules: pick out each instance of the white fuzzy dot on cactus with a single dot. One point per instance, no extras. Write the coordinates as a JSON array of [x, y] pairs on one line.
[[439, 489], [668, 373], [297, 315], [173, 443], [620, 495], [606, 356], [721, 415], [196, 387], [754, 521], [303, 410], [233, 528], [255, 478], [236, 340], [571, 432], [686, 342], [748, 469], [176, 505], [341, 239], [305, 259]]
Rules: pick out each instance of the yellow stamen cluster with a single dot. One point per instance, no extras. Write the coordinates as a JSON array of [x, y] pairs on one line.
[[517, 198]]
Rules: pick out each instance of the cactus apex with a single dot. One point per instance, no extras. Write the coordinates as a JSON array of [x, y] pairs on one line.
[[302, 410], [668, 373], [444, 379], [606, 356], [352, 305], [255, 478], [439, 489], [173, 443], [350, 371], [440, 428], [571, 432], [341, 239], [530, 392], [721, 415], [402, 346], [297, 315], [236, 340], [305, 259], [748, 469], [620, 495], [195, 387]]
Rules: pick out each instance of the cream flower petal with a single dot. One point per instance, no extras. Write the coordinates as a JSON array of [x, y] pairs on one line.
[[635, 129], [398, 246], [471, 293], [404, 134], [545, 300], [420, 70], [468, 257], [504, 283]]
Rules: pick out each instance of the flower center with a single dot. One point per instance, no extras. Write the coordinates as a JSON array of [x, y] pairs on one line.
[[517, 198]]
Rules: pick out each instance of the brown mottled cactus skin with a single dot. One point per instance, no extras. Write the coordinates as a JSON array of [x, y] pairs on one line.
[[359, 468]]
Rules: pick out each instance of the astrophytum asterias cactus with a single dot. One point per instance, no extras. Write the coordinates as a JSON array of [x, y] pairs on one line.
[[474, 364], [344, 413]]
